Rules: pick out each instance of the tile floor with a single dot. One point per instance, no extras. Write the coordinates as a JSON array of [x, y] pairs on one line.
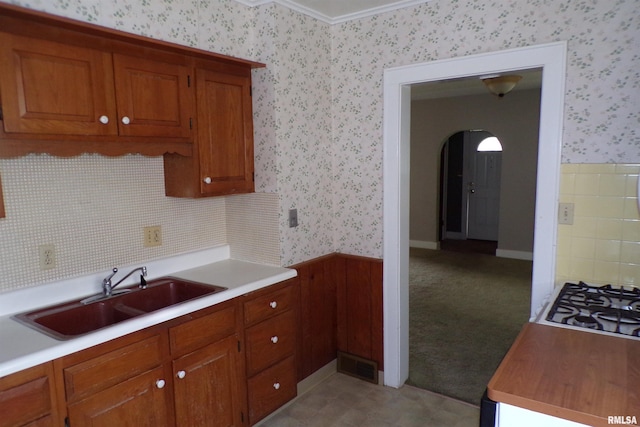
[[341, 400]]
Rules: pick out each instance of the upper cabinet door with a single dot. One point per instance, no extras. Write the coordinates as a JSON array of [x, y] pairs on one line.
[[52, 88], [153, 98], [225, 132]]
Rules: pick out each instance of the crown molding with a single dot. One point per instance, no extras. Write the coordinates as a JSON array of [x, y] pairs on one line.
[[335, 19]]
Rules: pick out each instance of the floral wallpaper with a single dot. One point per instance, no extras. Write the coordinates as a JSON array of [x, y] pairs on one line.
[[318, 103], [602, 103]]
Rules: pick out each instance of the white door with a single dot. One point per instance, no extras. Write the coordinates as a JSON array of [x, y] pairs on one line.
[[482, 172]]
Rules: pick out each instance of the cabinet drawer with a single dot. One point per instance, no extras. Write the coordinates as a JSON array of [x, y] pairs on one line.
[[268, 305], [199, 332], [25, 398], [112, 368], [270, 341], [271, 389]]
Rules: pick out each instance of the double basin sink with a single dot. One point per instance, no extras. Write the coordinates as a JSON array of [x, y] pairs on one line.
[[72, 319]]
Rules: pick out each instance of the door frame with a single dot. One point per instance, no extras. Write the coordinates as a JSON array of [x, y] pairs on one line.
[[397, 83]]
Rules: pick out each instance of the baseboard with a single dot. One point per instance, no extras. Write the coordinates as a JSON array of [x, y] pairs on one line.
[[424, 244], [317, 377], [523, 255]]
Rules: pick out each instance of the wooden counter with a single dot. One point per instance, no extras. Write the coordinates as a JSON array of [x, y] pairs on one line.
[[579, 376]]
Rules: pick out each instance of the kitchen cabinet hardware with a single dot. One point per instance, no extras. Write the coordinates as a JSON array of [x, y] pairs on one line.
[[274, 339], [104, 120], [276, 386], [273, 304], [181, 374], [160, 383]]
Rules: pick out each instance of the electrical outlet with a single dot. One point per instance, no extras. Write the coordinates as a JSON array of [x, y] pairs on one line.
[[47, 256], [293, 218], [152, 236], [565, 213]]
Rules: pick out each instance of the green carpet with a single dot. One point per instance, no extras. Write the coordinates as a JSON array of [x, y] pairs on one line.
[[465, 310]]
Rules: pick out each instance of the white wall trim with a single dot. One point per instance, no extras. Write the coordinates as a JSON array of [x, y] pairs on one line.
[[506, 253], [295, 5], [424, 244], [397, 108]]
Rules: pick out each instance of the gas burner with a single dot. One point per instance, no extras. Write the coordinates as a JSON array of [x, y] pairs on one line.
[[609, 309], [584, 322]]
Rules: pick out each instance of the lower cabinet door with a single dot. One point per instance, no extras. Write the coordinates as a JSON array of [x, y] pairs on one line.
[[208, 386], [271, 389], [138, 402]]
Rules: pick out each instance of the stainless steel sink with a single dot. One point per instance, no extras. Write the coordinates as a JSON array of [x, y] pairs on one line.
[[75, 318]]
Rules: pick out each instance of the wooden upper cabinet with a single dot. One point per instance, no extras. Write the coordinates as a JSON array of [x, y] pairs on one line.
[[153, 98], [53, 88], [225, 132], [223, 153], [69, 87]]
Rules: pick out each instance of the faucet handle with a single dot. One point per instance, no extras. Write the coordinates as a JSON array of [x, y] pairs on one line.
[[107, 280]]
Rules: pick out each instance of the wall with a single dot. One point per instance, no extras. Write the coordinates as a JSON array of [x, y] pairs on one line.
[[93, 208], [601, 101], [318, 110], [603, 243], [514, 120]]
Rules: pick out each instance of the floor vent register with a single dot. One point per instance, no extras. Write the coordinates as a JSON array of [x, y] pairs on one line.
[[358, 367]]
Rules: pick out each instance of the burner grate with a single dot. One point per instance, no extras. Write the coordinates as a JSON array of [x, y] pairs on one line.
[[604, 308]]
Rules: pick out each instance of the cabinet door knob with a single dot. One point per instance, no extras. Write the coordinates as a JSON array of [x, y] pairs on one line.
[[207, 180], [104, 120], [160, 383], [276, 386], [126, 120], [181, 374], [274, 339], [273, 304]]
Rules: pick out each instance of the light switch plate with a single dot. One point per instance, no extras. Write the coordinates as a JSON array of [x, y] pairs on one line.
[[293, 218], [565, 213]]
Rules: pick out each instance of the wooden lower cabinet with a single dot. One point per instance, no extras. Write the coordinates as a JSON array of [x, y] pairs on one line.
[[28, 398], [272, 388], [271, 322], [139, 401], [208, 384], [189, 372]]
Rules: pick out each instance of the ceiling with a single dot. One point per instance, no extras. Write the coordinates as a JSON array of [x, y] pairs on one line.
[[531, 79], [335, 11]]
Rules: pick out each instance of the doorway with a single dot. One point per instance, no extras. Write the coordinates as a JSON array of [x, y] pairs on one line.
[[470, 173], [397, 106]]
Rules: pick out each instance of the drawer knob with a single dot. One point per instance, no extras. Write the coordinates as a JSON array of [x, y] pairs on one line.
[[181, 374], [126, 120], [274, 339], [104, 120], [207, 180], [276, 386], [273, 304], [160, 383]]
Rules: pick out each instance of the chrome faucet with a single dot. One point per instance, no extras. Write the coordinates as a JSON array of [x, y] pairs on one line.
[[107, 287]]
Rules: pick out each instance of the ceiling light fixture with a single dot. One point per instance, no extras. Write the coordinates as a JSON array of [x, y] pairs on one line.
[[501, 85]]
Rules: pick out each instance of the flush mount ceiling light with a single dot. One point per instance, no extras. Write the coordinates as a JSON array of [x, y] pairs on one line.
[[501, 85]]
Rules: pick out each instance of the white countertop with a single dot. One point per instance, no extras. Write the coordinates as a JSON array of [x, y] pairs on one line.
[[22, 347]]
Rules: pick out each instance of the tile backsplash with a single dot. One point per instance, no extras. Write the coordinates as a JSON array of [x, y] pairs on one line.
[[603, 243], [92, 209]]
